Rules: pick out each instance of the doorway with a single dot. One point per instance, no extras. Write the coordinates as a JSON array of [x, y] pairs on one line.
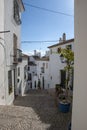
[[62, 78]]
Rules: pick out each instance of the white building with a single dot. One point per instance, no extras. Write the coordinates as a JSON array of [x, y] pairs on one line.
[[10, 19], [38, 70], [22, 76], [43, 72], [32, 71], [79, 112], [56, 69]]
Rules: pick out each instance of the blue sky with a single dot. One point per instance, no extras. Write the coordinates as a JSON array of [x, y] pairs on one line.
[[40, 25]]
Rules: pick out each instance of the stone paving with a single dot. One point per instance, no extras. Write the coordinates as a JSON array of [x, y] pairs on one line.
[[34, 111]]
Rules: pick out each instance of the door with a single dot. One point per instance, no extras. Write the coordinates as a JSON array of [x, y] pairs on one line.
[[43, 82], [63, 78], [14, 84]]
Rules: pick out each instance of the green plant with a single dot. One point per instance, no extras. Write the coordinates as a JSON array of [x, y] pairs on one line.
[[39, 84], [58, 89], [10, 90], [67, 57]]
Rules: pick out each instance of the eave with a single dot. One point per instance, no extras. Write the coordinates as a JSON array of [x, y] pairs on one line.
[[62, 43]]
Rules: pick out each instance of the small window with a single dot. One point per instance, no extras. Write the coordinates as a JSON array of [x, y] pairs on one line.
[[50, 51], [46, 65], [10, 81], [18, 71], [29, 76], [51, 77], [15, 40], [42, 70], [25, 73], [69, 47], [28, 68], [59, 50]]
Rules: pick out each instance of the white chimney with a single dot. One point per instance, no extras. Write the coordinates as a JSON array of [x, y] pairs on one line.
[[60, 39], [64, 37], [39, 54], [35, 52]]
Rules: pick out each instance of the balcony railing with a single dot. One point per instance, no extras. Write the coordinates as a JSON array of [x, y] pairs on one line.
[[17, 57]]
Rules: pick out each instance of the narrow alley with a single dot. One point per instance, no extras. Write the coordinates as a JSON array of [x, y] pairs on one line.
[[34, 111]]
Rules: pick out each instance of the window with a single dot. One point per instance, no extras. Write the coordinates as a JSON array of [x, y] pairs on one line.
[[10, 81], [28, 68], [25, 73], [16, 13], [29, 76], [43, 64], [42, 70], [69, 47], [18, 71], [19, 55], [46, 65], [51, 77], [50, 51], [15, 48]]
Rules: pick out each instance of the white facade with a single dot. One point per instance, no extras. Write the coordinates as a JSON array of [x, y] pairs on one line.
[[39, 70], [43, 72], [79, 112], [22, 76], [32, 72], [55, 62], [7, 67]]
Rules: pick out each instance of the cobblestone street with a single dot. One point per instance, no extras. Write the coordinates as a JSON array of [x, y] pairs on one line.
[[34, 111]]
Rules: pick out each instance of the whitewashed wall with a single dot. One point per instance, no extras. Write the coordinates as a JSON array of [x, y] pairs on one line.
[[7, 23], [79, 113], [45, 74], [22, 84], [56, 65]]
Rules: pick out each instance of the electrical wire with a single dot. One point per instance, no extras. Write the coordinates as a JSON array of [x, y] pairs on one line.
[[49, 10], [39, 41]]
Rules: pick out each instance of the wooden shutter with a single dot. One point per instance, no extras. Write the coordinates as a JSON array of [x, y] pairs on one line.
[[15, 48]]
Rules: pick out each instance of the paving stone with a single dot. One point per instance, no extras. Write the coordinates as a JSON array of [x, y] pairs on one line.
[[34, 111]]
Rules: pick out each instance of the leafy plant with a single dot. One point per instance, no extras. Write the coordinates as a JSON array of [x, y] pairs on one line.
[[39, 84], [67, 57], [58, 89]]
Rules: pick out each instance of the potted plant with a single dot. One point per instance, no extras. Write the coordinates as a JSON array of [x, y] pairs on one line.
[[67, 57], [58, 89]]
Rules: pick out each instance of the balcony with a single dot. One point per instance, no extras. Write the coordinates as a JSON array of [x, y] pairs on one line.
[[17, 56]]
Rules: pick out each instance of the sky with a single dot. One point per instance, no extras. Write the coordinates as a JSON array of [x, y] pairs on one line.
[[42, 25]]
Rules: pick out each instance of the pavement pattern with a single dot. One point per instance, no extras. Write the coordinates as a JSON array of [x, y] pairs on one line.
[[34, 111]]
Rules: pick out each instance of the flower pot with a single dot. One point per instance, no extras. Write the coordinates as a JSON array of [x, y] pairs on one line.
[[64, 107]]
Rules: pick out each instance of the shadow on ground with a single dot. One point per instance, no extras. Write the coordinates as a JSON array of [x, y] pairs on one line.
[[44, 106]]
